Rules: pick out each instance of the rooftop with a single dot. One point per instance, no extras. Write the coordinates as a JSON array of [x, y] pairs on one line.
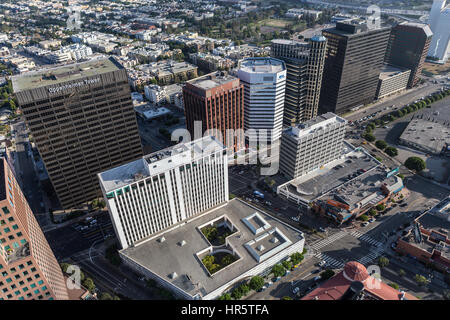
[[314, 125], [168, 258], [158, 162], [76, 71], [212, 80], [262, 65], [389, 71]]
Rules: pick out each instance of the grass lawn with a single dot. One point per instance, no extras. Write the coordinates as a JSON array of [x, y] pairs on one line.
[[434, 68]]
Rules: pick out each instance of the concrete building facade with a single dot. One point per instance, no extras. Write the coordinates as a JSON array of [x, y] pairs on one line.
[[28, 267], [83, 122], [392, 80], [264, 81], [167, 187], [312, 144]]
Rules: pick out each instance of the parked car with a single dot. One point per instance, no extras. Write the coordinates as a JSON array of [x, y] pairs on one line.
[[321, 229], [317, 278], [365, 224], [371, 220], [296, 290], [322, 263], [403, 205], [315, 271]]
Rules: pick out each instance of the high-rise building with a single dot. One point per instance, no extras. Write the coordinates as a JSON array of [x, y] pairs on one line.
[[217, 100], [354, 58], [439, 22], [29, 270], [408, 47], [164, 188], [83, 122], [264, 81], [311, 144], [304, 65]]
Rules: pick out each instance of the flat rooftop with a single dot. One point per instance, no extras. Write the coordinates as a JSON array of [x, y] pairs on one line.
[[262, 65], [212, 80], [158, 162], [168, 257], [332, 175], [427, 134], [47, 77], [314, 125], [389, 71]]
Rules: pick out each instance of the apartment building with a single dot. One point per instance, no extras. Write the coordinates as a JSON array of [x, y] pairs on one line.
[[165, 188], [311, 144]]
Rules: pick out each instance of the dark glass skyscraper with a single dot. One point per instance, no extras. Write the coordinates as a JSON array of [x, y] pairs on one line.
[[354, 58], [304, 66], [83, 122], [408, 47]]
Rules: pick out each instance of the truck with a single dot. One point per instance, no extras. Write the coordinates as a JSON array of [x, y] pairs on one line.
[[258, 194]]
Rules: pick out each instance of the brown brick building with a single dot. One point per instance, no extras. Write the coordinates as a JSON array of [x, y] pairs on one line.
[[83, 122], [216, 99], [28, 268]]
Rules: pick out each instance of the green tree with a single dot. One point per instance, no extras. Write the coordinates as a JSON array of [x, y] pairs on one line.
[[401, 176], [381, 144], [420, 280], [394, 285], [380, 207], [105, 296], [383, 262], [89, 284], [278, 270], [373, 212], [64, 267], [369, 137], [287, 264], [415, 163], [296, 258], [391, 151], [286, 298], [401, 273], [256, 283], [327, 274], [225, 296], [363, 217]]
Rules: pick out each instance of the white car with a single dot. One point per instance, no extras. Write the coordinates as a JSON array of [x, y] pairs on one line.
[[296, 290], [296, 219], [322, 263]]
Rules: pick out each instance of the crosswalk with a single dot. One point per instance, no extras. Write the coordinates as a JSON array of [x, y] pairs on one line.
[[331, 262], [365, 238], [327, 241], [375, 253]]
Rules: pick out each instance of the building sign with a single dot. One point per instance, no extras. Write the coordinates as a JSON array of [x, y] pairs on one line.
[[338, 204], [391, 173], [73, 85]]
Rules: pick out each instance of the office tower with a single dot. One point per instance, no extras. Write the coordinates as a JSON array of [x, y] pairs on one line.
[[164, 188], [83, 122], [217, 100], [311, 144], [353, 61], [29, 270], [264, 81], [408, 47], [304, 67], [439, 21]]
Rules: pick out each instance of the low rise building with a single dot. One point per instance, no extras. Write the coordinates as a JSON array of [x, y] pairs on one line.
[[392, 79]]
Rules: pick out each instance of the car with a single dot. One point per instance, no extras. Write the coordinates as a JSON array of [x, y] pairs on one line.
[[403, 205], [315, 271], [296, 219], [296, 290], [321, 229], [371, 220], [322, 263], [317, 278], [364, 224], [276, 279]]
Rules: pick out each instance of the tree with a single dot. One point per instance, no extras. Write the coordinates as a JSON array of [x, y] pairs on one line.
[[327, 274], [287, 264], [415, 163], [364, 217], [420, 280], [89, 284], [256, 283], [286, 298], [380, 207], [383, 262], [381, 144], [64, 267], [391, 151], [296, 258], [278, 270], [105, 296], [373, 212], [394, 285], [401, 273], [225, 296], [401, 176], [369, 137]]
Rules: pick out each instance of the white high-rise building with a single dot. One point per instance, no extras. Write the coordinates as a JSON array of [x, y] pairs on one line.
[[440, 26], [311, 144], [164, 188], [264, 82]]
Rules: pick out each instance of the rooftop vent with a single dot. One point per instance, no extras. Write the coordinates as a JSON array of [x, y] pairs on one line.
[[260, 247], [182, 243], [161, 240], [274, 240], [173, 275]]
